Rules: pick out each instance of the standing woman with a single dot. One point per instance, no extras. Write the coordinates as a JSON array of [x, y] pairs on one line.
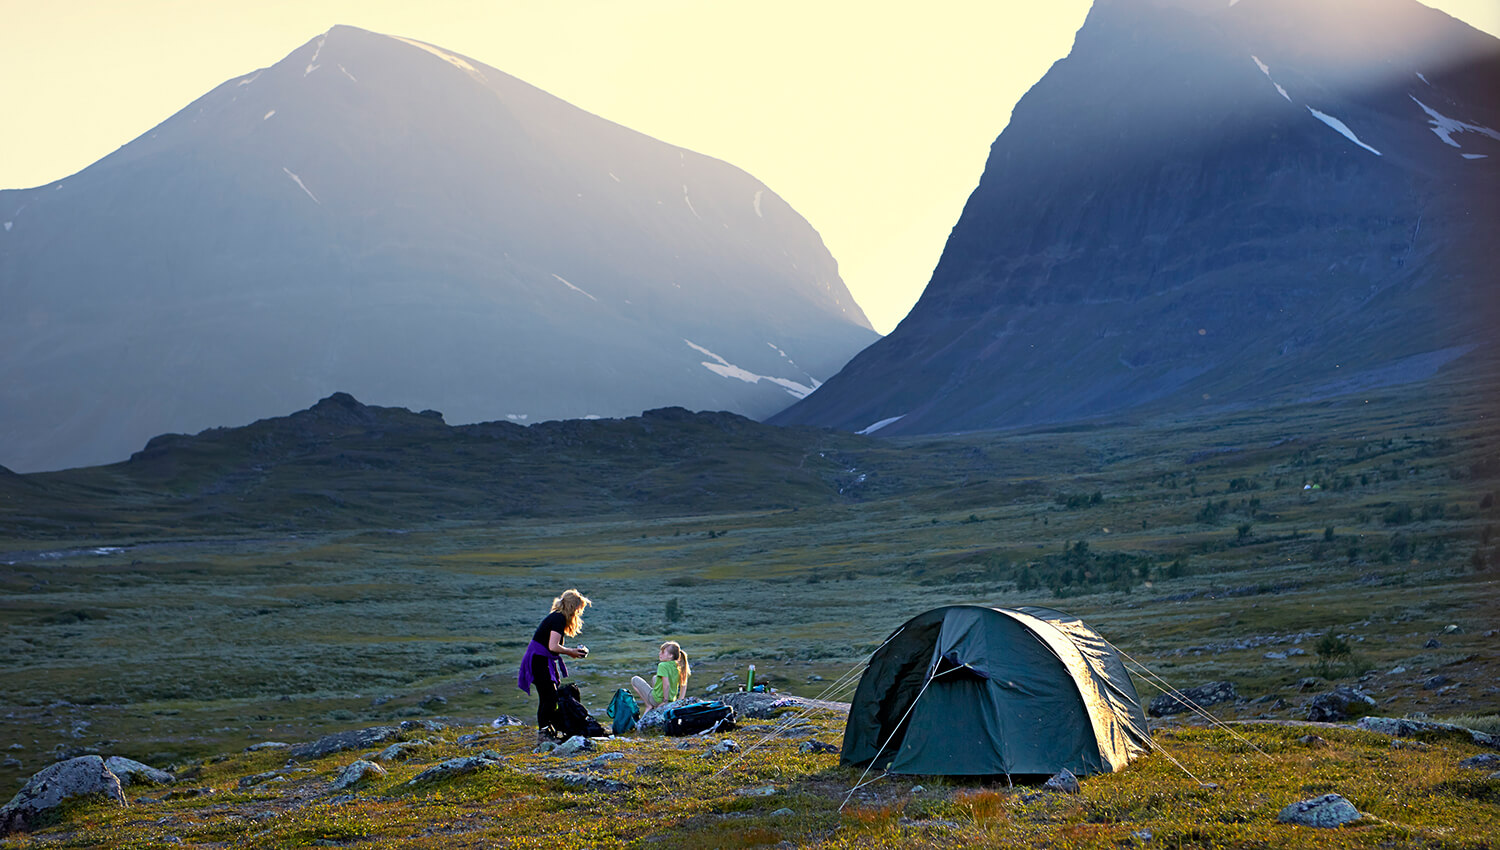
[[543, 664]]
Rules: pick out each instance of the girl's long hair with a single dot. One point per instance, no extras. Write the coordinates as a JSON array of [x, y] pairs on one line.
[[571, 604], [678, 654]]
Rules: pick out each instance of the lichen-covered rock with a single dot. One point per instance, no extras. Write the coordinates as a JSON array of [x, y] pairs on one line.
[[817, 747], [49, 787], [573, 746], [1325, 812], [357, 772], [131, 772], [1064, 783], [355, 739], [1210, 693], [1483, 761], [586, 782], [401, 750], [1341, 703], [454, 767]]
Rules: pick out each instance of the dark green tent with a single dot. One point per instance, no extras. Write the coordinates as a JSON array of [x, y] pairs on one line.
[[972, 691]]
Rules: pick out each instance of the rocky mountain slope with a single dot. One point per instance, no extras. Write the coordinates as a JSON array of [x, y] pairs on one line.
[[379, 215], [1209, 205]]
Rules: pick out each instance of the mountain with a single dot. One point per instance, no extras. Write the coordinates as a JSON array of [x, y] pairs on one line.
[[383, 216], [1209, 205]]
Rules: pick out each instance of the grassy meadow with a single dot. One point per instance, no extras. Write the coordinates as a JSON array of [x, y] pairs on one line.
[[1358, 537]]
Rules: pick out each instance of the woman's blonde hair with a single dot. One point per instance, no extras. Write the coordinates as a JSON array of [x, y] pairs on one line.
[[678, 654], [571, 604]]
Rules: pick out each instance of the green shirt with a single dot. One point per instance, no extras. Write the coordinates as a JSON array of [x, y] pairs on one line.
[[666, 673]]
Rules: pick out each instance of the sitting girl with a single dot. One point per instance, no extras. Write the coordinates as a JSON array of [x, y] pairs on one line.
[[670, 681]]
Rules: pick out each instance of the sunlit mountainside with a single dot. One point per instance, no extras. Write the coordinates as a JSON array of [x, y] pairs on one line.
[[1210, 206], [382, 216]]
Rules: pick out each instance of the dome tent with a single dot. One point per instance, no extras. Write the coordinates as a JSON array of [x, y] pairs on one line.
[[967, 690]]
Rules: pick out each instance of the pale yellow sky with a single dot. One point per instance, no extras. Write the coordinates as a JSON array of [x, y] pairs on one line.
[[872, 119]]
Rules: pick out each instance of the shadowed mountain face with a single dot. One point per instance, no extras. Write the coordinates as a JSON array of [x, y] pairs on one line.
[[383, 216], [1208, 205]]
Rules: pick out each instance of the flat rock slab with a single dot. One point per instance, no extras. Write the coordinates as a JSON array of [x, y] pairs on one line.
[[761, 706], [454, 767], [354, 739], [49, 787], [1325, 812], [588, 783]]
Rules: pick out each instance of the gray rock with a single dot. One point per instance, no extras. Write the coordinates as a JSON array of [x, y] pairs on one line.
[[259, 778], [424, 725], [267, 745], [1341, 703], [763, 791], [728, 745], [357, 772], [1433, 643], [401, 750], [132, 772], [573, 746], [454, 767], [1483, 761], [1143, 835], [505, 720], [1307, 683], [1452, 629], [656, 717], [602, 761], [1207, 694], [586, 782], [1312, 741], [1064, 783], [1435, 682], [782, 813], [817, 747], [49, 787], [1325, 812], [355, 739]]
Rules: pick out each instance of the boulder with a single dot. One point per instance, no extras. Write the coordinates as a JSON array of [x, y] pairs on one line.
[[817, 747], [48, 788], [1341, 703], [356, 739], [356, 773], [760, 706], [1325, 812], [1207, 694], [1064, 783], [132, 772], [573, 746], [1483, 761], [454, 767], [401, 750], [586, 782]]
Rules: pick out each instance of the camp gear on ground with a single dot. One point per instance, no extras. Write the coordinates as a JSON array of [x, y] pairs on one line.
[[698, 716], [572, 717], [973, 691], [624, 710], [750, 679]]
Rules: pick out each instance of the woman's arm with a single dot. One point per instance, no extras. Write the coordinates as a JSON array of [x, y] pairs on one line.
[[555, 644]]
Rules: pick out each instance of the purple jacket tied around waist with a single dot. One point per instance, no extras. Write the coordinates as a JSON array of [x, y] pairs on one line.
[[555, 666]]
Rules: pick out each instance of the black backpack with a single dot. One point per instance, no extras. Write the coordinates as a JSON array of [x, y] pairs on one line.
[[573, 718], [695, 717]]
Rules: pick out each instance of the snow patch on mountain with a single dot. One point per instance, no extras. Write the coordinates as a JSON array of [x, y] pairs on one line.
[[1422, 78], [689, 201], [301, 185], [729, 370], [878, 425], [1465, 156], [572, 287], [345, 72], [268, 115], [1342, 128], [1265, 69], [758, 193], [250, 80], [312, 64], [1444, 127], [7, 226], [444, 55]]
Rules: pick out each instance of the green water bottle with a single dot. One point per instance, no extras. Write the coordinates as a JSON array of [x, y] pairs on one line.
[[750, 679]]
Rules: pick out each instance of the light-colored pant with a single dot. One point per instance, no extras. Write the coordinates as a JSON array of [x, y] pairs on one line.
[[642, 690]]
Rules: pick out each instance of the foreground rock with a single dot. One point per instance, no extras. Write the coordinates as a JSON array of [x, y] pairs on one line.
[[132, 772], [356, 773], [1064, 782], [1341, 703], [1211, 693], [455, 767], [1325, 812], [761, 706], [355, 739], [51, 786]]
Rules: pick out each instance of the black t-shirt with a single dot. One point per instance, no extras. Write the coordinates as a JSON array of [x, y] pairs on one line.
[[554, 622]]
